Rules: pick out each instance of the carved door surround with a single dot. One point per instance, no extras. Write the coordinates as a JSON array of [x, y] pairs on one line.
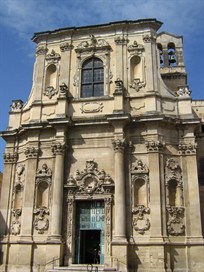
[[89, 184]]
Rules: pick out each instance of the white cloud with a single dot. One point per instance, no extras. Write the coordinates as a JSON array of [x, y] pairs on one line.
[[28, 16]]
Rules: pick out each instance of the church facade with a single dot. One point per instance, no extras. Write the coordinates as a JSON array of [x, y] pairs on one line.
[[103, 163]]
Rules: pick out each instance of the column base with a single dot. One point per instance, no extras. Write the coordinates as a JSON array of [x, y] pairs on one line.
[[119, 240]]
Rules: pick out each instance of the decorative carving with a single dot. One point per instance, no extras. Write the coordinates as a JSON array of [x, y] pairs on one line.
[[15, 227], [118, 145], [10, 157], [147, 38], [65, 46], [41, 223], [50, 92], [187, 149], [90, 181], [16, 105], [17, 213], [137, 84], [172, 170], [175, 225], [31, 152], [58, 148], [41, 50], [108, 215], [183, 91], [118, 86], [53, 57], [70, 222], [136, 49], [63, 89], [154, 145], [121, 40], [139, 167], [92, 44], [91, 107], [44, 171], [140, 222]]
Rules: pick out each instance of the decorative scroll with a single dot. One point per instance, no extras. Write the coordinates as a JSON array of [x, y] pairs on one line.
[[175, 224], [140, 222], [41, 223], [90, 180]]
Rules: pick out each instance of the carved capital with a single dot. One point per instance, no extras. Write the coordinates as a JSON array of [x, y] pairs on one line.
[[10, 157], [187, 149], [41, 50], [31, 152], [118, 145], [121, 40], [149, 39], [58, 149], [65, 46], [154, 146]]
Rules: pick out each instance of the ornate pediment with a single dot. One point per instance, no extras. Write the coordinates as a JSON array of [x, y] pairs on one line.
[[90, 180], [136, 49], [53, 57], [93, 44]]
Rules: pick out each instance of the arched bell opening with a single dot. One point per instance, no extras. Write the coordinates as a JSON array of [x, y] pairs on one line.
[[172, 54], [161, 55]]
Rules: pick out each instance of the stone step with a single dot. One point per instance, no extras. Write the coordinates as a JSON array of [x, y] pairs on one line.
[[78, 268]]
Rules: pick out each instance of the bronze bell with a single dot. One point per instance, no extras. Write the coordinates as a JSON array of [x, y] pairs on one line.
[[172, 57]]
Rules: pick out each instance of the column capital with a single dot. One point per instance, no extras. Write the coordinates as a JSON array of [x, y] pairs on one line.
[[32, 152], [118, 145], [58, 148], [187, 149], [154, 146], [10, 157]]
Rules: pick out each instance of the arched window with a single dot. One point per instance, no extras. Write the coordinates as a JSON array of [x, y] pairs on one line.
[[92, 78], [172, 54], [161, 56]]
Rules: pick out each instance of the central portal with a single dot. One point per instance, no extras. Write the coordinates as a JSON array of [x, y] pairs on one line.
[[89, 242]]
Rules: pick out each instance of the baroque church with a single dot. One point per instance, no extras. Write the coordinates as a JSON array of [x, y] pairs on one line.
[[103, 165]]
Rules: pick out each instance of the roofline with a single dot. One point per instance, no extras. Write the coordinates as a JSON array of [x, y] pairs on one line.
[[167, 33], [127, 22]]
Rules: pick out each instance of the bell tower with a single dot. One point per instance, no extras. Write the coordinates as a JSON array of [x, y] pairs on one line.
[[172, 68]]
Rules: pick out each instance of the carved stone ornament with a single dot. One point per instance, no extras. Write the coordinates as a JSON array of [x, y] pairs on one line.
[[183, 91], [16, 105], [149, 38], [41, 50], [139, 167], [65, 46], [187, 149], [92, 44], [118, 145], [140, 222], [53, 57], [136, 49], [121, 40], [17, 213], [10, 157], [118, 86], [91, 107], [50, 91], [15, 227], [44, 171], [31, 152], [63, 89], [41, 224], [172, 171], [20, 169], [175, 225], [90, 180], [58, 148], [137, 84], [153, 146]]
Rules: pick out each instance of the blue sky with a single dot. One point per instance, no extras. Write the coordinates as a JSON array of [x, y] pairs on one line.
[[19, 19]]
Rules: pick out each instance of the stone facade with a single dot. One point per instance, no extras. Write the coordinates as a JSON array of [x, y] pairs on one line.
[[108, 146]]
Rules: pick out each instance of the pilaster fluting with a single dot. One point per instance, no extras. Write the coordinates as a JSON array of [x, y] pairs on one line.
[[57, 206], [120, 209]]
